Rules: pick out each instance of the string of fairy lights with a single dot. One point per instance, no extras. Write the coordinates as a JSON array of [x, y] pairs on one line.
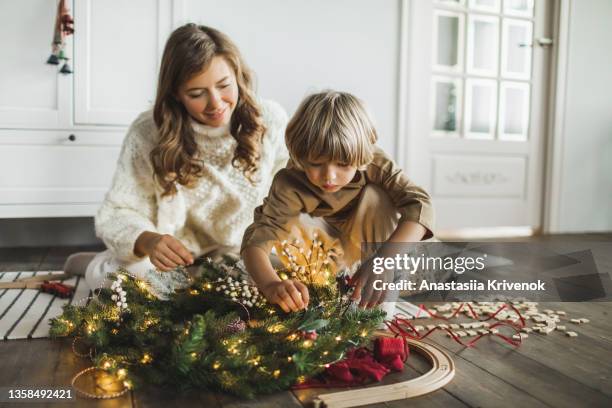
[[313, 266]]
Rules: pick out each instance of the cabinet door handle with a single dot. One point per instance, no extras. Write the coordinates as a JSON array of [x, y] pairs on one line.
[[72, 138]]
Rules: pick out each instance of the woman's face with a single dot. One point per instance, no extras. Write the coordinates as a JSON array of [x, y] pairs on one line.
[[211, 96]]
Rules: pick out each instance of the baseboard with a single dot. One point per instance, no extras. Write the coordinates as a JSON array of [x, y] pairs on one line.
[[486, 233], [39, 232]]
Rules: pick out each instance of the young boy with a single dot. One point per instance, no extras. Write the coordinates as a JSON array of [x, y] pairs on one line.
[[338, 173]]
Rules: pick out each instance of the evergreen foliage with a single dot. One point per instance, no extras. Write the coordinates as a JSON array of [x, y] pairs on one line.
[[203, 337]]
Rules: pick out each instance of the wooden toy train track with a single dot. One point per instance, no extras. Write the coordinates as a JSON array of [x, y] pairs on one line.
[[441, 373]]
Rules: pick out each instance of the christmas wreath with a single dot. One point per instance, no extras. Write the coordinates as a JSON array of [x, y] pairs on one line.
[[216, 331]]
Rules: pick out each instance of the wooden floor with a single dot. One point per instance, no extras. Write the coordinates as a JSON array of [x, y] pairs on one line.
[[546, 371]]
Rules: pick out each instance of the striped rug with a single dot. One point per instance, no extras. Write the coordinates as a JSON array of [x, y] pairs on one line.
[[25, 313]]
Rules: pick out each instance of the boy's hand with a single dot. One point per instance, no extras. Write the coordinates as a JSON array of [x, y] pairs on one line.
[[290, 295], [363, 281]]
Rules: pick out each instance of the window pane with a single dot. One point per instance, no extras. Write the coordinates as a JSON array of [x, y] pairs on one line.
[[485, 5], [519, 7], [448, 40], [517, 40], [481, 104], [446, 105], [483, 37], [514, 112]]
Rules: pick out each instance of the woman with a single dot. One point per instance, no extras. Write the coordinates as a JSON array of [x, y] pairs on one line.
[[192, 171]]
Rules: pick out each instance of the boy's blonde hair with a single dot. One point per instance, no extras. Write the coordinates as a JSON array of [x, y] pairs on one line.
[[331, 125]]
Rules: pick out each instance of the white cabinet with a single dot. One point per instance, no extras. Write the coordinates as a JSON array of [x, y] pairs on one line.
[[32, 93], [117, 47], [55, 173], [60, 135]]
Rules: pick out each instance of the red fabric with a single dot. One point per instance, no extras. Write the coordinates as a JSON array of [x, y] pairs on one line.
[[340, 372], [391, 351], [385, 347], [362, 365], [395, 363]]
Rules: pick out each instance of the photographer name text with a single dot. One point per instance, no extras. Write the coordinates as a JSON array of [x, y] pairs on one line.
[[493, 285]]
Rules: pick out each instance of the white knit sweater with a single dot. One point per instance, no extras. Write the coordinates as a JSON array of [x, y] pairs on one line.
[[216, 211]]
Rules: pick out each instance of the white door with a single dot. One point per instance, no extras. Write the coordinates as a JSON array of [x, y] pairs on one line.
[[33, 94], [118, 46], [477, 87]]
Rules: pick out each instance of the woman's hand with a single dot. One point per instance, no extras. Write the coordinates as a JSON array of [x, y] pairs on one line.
[[290, 295], [164, 251]]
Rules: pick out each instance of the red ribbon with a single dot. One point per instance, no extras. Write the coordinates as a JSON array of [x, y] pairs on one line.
[[474, 314], [402, 327]]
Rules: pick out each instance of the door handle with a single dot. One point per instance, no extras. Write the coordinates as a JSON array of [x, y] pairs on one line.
[[542, 42]]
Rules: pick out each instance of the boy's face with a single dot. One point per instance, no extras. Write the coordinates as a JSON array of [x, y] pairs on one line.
[[329, 176]]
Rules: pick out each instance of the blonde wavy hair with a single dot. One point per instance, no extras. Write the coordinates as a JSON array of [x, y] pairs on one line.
[[189, 51], [334, 126]]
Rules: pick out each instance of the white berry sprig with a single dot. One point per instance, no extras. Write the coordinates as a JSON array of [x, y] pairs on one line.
[[119, 294], [240, 291], [311, 265]]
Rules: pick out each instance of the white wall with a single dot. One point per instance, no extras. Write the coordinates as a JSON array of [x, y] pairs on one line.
[[296, 47], [300, 46], [586, 179]]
